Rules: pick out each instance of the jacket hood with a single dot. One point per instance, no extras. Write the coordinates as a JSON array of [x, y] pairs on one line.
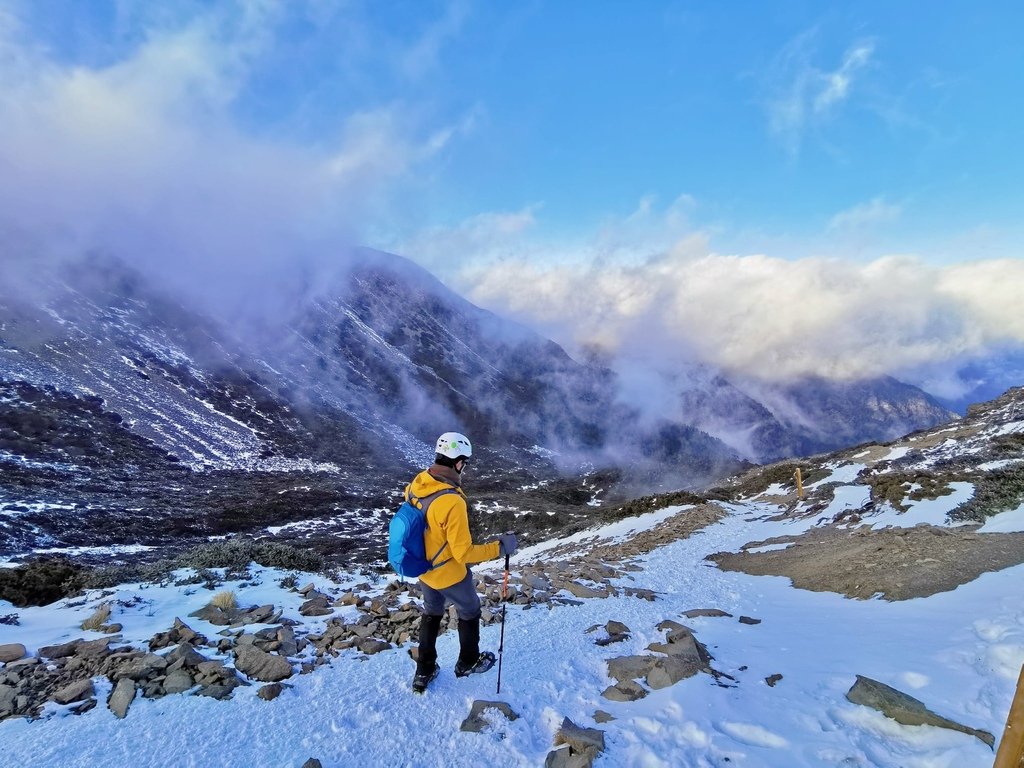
[[435, 479]]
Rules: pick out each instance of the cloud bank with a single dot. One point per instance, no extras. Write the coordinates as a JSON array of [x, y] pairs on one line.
[[763, 316], [149, 155]]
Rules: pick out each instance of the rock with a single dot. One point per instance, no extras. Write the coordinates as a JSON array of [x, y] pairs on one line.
[[271, 691], [8, 699], [579, 739], [306, 589], [76, 691], [141, 667], [584, 745], [186, 654], [616, 628], [216, 691], [256, 615], [630, 667], [600, 716], [625, 690], [312, 763], [111, 629], [772, 680], [669, 671], [581, 591], [61, 651], [475, 721], [94, 648], [12, 652], [748, 620], [178, 681], [121, 697], [215, 615], [643, 594], [709, 612], [905, 709], [372, 646], [262, 666]]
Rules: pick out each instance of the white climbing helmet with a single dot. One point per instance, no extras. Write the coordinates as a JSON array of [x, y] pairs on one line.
[[454, 445]]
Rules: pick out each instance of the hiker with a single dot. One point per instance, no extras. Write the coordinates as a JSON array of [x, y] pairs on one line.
[[450, 549]]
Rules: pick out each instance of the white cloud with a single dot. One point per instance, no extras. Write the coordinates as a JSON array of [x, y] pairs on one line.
[[147, 157], [875, 211], [765, 317], [801, 96]]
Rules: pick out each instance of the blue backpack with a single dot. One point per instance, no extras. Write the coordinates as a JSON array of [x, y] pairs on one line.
[[406, 551]]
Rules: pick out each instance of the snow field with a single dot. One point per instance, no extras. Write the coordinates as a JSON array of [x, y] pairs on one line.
[[959, 652]]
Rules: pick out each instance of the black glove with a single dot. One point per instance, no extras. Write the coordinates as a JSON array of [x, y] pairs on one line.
[[508, 544]]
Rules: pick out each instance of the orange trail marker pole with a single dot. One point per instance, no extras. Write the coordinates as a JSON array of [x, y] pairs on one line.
[[1011, 746]]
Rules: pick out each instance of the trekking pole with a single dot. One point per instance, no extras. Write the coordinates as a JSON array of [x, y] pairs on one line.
[[504, 602]]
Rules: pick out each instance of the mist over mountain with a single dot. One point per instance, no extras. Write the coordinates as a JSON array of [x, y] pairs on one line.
[[125, 400]]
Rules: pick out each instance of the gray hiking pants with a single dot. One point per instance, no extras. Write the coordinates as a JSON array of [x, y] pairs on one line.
[[462, 595]]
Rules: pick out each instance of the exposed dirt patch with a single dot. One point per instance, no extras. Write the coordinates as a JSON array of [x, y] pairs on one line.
[[898, 564]]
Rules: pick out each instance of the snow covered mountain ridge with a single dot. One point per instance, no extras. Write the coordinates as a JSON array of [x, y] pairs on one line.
[[627, 628], [111, 385]]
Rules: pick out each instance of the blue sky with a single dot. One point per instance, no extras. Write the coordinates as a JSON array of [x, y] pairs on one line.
[[859, 145]]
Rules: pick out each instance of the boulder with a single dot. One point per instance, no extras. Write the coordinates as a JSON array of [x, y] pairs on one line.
[[270, 691], [905, 709], [76, 691], [669, 671], [8, 699], [372, 646], [708, 612], [186, 654], [312, 763], [121, 697], [475, 721], [583, 746], [61, 651], [630, 667], [625, 690], [748, 620], [215, 615], [141, 667], [262, 666], [178, 681], [12, 652]]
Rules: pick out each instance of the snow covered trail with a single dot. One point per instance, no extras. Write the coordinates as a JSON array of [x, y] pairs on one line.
[[958, 651]]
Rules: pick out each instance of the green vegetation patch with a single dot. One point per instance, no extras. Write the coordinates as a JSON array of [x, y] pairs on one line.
[[40, 582], [894, 487], [998, 491]]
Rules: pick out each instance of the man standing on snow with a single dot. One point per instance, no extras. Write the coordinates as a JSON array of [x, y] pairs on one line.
[[450, 547]]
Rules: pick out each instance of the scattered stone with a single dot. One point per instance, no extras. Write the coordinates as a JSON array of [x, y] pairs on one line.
[[141, 667], [630, 667], [312, 763], [773, 679], [178, 681], [748, 620], [186, 654], [270, 691], [262, 666], [905, 709], [709, 612], [643, 594], [306, 589], [581, 591], [600, 716], [61, 651], [624, 690], [584, 745], [372, 646], [76, 691], [317, 606], [122, 697], [111, 629], [475, 721], [94, 648], [12, 652], [216, 691], [8, 699], [669, 671]]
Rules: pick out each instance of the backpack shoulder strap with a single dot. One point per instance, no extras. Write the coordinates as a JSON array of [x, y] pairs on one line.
[[426, 502]]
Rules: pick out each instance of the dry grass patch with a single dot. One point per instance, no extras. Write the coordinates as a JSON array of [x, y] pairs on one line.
[[225, 600], [98, 619]]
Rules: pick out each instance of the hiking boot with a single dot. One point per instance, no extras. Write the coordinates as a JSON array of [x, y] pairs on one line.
[[483, 663], [422, 679]]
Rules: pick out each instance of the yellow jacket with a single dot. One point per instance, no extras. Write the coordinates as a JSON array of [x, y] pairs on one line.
[[447, 534]]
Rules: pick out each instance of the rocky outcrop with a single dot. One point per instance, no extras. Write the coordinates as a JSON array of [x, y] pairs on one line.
[[906, 709]]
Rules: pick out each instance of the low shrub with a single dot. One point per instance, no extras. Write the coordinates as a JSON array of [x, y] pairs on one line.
[[225, 600], [40, 582]]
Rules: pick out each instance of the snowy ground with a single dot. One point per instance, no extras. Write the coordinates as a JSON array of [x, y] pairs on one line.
[[960, 652]]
